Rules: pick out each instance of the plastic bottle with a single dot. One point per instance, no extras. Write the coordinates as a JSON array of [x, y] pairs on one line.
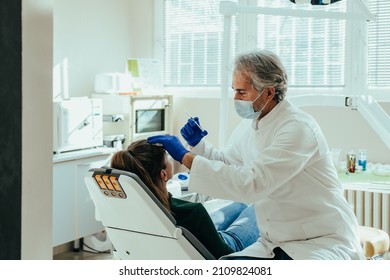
[[351, 162], [362, 159]]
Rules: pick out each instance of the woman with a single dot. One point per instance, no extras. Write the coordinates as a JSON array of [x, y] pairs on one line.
[[235, 232]]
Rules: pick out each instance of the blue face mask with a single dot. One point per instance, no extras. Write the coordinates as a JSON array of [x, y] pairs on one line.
[[245, 109]]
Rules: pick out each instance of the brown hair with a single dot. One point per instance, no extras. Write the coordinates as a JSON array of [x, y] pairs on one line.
[[146, 161]]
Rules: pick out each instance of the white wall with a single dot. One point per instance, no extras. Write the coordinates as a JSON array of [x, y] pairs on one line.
[[348, 130], [37, 133], [99, 35], [96, 36]]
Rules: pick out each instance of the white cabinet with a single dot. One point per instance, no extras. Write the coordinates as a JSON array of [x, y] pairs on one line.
[[63, 203], [73, 209]]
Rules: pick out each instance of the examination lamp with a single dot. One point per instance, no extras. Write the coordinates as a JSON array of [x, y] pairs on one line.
[[314, 2]]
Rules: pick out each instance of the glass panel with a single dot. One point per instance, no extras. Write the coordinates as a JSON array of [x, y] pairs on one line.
[[192, 42], [312, 50], [379, 45]]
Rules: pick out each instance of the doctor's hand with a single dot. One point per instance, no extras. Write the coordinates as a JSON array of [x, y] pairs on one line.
[[192, 132], [171, 144]]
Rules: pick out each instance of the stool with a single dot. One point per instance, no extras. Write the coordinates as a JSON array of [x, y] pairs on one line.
[[375, 242]]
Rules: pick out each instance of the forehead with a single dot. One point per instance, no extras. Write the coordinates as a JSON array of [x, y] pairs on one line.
[[241, 81]]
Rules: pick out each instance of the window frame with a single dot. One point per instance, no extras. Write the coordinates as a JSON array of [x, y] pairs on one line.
[[356, 80]]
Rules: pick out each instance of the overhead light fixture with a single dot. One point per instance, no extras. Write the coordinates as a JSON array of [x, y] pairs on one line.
[[314, 2]]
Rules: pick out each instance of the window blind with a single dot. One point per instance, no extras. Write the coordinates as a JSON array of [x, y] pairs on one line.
[[193, 32], [379, 45], [311, 49]]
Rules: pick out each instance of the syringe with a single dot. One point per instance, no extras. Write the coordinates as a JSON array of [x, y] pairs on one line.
[[201, 128]]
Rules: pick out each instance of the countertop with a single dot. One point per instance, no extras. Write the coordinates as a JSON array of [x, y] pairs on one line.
[[368, 180], [85, 153]]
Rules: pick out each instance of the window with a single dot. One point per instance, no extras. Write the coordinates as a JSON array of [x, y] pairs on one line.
[[311, 49], [379, 45], [193, 33]]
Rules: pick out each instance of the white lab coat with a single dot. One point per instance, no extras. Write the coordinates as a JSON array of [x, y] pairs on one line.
[[285, 169]]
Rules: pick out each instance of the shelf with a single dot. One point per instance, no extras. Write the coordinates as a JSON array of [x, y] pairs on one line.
[[85, 153], [365, 181]]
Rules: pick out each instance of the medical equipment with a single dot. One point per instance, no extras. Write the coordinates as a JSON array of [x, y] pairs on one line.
[[229, 9], [150, 115], [183, 178], [96, 243], [197, 124], [314, 2], [174, 188], [136, 116], [244, 108], [192, 131], [366, 105], [136, 222], [113, 83], [77, 124], [114, 140]]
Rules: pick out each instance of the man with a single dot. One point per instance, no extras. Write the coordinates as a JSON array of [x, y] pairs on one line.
[[279, 160]]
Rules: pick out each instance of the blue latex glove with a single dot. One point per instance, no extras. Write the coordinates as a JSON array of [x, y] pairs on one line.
[[192, 133], [171, 144]]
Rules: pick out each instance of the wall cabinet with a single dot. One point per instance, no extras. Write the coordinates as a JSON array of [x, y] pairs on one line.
[[73, 209]]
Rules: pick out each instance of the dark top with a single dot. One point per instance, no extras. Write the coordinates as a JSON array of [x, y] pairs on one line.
[[194, 218]]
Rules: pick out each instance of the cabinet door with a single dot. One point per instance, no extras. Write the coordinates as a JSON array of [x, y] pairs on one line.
[[86, 222], [63, 203]]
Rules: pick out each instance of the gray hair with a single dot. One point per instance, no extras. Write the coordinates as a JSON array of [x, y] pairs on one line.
[[262, 69]]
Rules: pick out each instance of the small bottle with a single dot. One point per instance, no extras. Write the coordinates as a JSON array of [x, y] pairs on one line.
[[351, 162], [362, 159]]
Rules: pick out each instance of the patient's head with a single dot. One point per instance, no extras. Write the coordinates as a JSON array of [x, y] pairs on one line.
[[150, 163]]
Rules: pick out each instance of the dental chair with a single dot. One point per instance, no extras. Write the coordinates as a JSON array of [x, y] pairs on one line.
[[137, 224], [375, 242]]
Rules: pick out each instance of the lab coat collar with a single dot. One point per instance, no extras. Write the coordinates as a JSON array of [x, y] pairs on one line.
[[268, 119]]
